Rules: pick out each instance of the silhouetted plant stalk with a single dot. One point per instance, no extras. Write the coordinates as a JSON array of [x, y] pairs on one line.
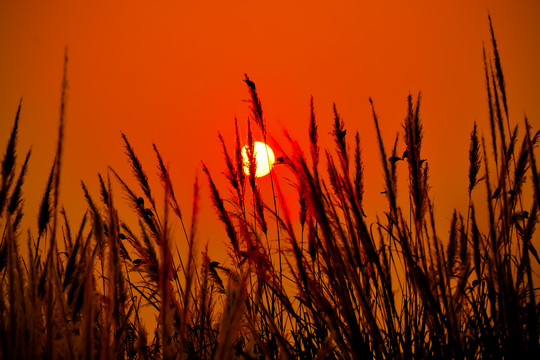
[[257, 114], [391, 289]]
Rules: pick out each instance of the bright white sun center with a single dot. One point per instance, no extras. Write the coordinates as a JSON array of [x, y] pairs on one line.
[[264, 158]]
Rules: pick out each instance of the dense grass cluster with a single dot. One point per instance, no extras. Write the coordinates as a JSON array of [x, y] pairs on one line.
[[329, 286]]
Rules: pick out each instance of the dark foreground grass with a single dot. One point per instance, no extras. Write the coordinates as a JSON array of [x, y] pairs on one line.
[[331, 287]]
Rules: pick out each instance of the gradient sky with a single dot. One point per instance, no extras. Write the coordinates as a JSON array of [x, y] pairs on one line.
[[171, 72]]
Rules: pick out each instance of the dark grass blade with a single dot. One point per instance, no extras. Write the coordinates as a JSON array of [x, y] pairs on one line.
[[231, 173], [165, 178], [256, 107], [532, 163], [138, 170], [390, 185], [498, 116], [222, 213], [16, 197], [498, 67], [313, 136], [490, 107], [413, 140], [145, 214], [239, 163], [339, 133], [474, 159], [8, 162], [45, 207], [358, 171]]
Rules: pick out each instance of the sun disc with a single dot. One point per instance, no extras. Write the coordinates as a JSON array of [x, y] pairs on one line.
[[264, 158]]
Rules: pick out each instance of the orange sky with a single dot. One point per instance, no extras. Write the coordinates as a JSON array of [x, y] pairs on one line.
[[171, 72]]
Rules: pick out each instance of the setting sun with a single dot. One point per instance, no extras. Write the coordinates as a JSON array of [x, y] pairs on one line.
[[264, 158]]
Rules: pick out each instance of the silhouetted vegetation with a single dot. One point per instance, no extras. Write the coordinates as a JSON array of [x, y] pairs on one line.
[[331, 286]]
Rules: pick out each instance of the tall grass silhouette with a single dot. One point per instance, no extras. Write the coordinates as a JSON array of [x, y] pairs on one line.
[[331, 286]]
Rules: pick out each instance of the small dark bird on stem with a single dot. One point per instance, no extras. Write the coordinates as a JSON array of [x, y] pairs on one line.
[[137, 262], [250, 83], [394, 159], [522, 215], [496, 194], [340, 134], [280, 160]]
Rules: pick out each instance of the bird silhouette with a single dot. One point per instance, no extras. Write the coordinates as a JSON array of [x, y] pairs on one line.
[[394, 159], [137, 262], [341, 134], [250, 83], [405, 155], [496, 194], [522, 215]]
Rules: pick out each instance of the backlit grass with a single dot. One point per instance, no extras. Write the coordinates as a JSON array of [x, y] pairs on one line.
[[320, 284]]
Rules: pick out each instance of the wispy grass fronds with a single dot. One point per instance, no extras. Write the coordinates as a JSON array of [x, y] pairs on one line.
[[390, 185], [391, 289], [231, 173], [231, 320], [417, 175], [45, 207], [490, 107], [140, 175], [144, 213], [16, 199], [239, 160], [259, 210], [358, 171], [165, 289], [256, 107], [498, 116], [339, 133], [166, 182], [222, 213], [474, 159], [8, 161], [313, 136], [498, 67], [532, 161]]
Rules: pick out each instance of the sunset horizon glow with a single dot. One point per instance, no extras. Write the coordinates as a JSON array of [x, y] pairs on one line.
[[403, 200]]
